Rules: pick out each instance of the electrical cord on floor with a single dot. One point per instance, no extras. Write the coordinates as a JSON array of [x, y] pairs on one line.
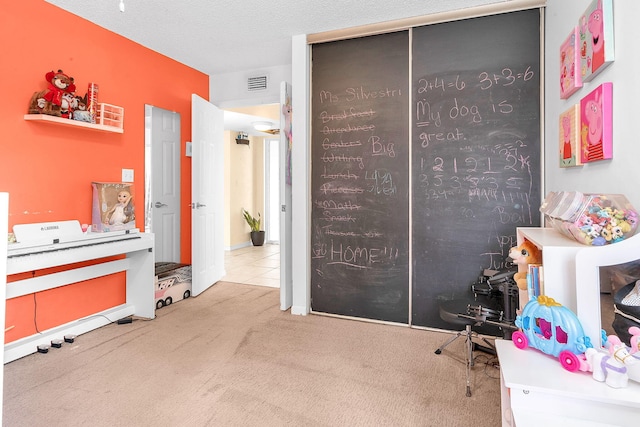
[[35, 313], [85, 319], [491, 365]]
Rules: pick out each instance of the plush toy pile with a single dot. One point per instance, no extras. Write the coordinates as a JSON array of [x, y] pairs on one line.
[[59, 98], [591, 219], [601, 223]]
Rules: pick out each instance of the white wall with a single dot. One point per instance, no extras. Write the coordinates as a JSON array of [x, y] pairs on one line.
[[622, 173], [230, 90]]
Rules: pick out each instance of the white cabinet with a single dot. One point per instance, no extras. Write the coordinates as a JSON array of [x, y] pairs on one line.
[[537, 391], [588, 263], [535, 388], [572, 271], [558, 259]]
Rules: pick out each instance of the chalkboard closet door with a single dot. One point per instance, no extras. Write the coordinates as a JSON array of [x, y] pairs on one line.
[[360, 177], [464, 130], [475, 152]]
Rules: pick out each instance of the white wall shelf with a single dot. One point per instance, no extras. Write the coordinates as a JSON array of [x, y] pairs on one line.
[[45, 118]]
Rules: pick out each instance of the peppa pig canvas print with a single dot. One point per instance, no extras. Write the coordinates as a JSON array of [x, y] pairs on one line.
[[596, 124], [570, 75], [596, 38], [570, 137]]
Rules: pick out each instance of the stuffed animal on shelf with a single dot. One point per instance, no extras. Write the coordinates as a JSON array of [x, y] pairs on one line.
[[523, 255], [80, 112], [57, 99]]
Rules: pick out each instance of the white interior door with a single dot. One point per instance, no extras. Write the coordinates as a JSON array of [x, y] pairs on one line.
[[207, 194], [286, 142], [164, 152]]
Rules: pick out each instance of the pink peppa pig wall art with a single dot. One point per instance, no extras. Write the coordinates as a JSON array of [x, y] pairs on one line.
[[570, 137], [570, 75], [596, 38], [596, 127]]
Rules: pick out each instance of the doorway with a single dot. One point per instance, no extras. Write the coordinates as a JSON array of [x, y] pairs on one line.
[[162, 189], [252, 180], [162, 181], [260, 265]]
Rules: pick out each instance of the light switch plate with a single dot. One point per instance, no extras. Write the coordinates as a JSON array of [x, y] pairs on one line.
[[127, 175]]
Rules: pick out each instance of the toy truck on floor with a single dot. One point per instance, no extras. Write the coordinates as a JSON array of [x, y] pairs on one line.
[[173, 283]]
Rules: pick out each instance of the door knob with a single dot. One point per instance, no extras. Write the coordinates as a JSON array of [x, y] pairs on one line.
[[159, 205]]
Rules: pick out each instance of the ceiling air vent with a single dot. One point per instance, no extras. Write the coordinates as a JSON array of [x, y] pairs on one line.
[[257, 83]]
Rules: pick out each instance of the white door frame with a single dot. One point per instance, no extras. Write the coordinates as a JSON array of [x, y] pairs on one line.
[[300, 159], [286, 278]]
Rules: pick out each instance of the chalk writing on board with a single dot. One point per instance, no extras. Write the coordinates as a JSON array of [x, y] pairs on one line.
[[475, 151], [353, 94], [496, 169], [359, 182]]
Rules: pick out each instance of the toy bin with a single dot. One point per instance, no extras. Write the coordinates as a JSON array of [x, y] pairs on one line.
[[591, 219], [113, 207]]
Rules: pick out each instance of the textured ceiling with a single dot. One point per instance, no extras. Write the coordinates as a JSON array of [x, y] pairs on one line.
[[224, 36]]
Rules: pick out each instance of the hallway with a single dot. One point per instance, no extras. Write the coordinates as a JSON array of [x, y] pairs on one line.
[[254, 265]]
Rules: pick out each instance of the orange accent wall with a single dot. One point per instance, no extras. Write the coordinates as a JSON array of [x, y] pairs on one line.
[[47, 169]]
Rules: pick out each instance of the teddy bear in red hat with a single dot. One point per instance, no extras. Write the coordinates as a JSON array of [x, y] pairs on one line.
[[57, 99]]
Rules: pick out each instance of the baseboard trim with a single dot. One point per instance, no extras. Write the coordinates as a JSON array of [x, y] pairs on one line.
[[238, 246], [299, 310]]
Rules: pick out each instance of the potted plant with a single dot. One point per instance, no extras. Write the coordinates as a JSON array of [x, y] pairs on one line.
[[257, 235]]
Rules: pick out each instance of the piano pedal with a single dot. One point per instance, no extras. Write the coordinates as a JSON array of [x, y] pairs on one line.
[[43, 348], [125, 320], [69, 338], [57, 343]]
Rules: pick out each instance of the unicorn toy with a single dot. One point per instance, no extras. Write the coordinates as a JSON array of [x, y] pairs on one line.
[[630, 358]]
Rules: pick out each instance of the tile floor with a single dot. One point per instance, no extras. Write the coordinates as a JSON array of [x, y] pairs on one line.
[[254, 265]]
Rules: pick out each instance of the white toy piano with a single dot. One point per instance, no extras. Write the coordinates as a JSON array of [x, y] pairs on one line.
[[51, 244]]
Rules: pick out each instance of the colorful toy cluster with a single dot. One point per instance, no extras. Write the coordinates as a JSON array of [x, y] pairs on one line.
[[591, 219], [602, 223], [553, 329]]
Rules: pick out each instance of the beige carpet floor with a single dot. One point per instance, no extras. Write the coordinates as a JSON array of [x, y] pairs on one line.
[[230, 357]]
